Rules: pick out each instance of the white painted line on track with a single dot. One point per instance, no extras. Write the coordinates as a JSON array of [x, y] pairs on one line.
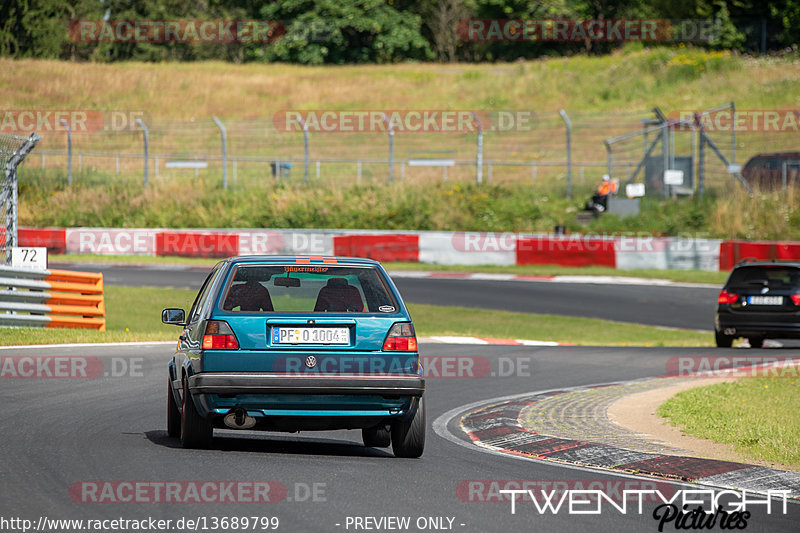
[[90, 344]]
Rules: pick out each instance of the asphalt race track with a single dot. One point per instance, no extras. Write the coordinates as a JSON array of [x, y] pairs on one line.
[[670, 306], [62, 435], [71, 441]]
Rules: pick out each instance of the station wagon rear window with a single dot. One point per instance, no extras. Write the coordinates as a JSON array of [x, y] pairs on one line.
[[773, 277], [304, 288]]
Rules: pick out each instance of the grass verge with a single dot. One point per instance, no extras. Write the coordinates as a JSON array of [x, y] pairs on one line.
[[684, 276], [755, 415], [134, 314]]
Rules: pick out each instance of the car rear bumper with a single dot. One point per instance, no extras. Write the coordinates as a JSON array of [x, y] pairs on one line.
[[223, 383], [758, 325]]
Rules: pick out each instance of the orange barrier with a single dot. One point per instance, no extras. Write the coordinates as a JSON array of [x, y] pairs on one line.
[[88, 304], [77, 301]]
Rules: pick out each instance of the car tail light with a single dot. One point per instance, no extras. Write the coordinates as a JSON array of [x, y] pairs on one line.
[[796, 299], [219, 336], [401, 338], [726, 297]]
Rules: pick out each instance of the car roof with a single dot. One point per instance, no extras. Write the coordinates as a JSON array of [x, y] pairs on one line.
[[742, 264], [786, 155], [303, 259]]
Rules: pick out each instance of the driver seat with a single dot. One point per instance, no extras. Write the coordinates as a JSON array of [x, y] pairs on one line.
[[338, 296]]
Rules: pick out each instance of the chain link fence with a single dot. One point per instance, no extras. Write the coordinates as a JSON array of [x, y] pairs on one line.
[[496, 147], [13, 150], [555, 153]]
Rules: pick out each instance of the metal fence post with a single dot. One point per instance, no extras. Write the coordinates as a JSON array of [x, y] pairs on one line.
[[305, 148], [733, 132], [69, 152], [146, 146], [224, 152], [9, 187], [701, 157], [479, 158], [610, 158], [391, 147], [784, 172], [569, 151]]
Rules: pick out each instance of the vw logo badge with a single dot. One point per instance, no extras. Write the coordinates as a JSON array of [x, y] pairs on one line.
[[311, 361]]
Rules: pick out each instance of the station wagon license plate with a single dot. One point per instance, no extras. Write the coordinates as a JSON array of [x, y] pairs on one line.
[[311, 335], [765, 300]]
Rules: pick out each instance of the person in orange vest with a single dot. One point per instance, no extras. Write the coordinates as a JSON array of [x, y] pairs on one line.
[[607, 188]]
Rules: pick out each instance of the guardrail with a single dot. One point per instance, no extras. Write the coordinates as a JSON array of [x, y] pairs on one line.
[[76, 300]]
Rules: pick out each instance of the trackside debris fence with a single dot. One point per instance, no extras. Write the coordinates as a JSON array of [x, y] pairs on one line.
[[13, 150]]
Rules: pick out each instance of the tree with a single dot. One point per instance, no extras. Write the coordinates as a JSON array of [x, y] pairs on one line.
[[332, 31]]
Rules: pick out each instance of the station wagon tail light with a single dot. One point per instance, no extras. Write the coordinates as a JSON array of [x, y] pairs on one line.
[[401, 338], [726, 297], [219, 336], [796, 299]]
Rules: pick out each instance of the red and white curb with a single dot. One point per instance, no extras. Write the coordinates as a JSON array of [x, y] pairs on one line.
[[495, 426]]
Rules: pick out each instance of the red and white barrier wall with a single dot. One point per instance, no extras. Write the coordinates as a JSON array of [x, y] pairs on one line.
[[624, 252]]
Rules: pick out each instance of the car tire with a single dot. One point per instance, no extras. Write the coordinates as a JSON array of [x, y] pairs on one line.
[[173, 414], [756, 342], [196, 431], [376, 437], [408, 435], [723, 341]]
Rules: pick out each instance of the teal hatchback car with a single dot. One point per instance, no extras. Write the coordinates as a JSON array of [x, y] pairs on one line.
[[297, 344]]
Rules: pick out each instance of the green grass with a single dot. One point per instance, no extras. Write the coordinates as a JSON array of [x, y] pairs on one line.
[[497, 207], [131, 259], [440, 320], [134, 314], [758, 416], [685, 276]]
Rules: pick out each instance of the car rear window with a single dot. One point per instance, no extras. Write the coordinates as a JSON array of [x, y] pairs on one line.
[[294, 288], [774, 277]]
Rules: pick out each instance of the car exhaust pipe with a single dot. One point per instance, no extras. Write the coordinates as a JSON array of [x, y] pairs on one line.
[[237, 418], [729, 331]]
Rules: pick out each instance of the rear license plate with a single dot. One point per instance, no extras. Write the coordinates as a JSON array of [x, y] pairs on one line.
[[311, 335], [765, 300]]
